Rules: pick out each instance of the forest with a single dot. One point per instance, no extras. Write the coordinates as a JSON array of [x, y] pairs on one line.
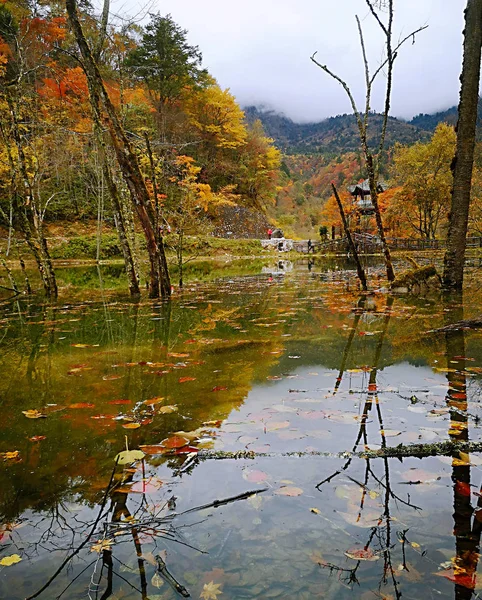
[[240, 355]]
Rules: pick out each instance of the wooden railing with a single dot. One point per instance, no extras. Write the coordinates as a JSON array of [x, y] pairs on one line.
[[371, 245]]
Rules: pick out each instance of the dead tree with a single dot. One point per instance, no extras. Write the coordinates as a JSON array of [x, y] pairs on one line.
[[372, 159]]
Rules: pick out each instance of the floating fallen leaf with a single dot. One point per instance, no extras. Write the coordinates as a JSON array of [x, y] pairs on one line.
[[164, 410], [37, 438], [131, 425], [184, 379], [157, 580], [315, 510], [111, 377], [176, 441], [275, 425], [178, 355], [460, 578], [462, 488], [211, 591], [82, 405], [289, 491], [33, 414], [389, 432], [361, 554], [153, 449], [155, 400], [120, 401], [10, 455], [254, 476], [101, 545], [129, 456], [219, 388], [8, 561]]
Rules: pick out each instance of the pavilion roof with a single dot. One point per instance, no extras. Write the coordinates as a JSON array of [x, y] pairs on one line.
[[363, 188]]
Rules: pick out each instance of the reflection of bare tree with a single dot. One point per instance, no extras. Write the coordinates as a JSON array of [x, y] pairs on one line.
[[382, 533], [117, 524]]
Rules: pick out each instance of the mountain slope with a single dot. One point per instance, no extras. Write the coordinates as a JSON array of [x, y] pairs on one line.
[[333, 135]]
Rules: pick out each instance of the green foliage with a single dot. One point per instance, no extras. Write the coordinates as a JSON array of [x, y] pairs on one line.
[[85, 247], [164, 60]]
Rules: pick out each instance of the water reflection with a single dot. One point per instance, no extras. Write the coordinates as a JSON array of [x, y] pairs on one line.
[[291, 365]]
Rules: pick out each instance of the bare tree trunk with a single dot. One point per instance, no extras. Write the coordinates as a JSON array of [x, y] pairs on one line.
[[464, 154], [359, 268], [127, 159]]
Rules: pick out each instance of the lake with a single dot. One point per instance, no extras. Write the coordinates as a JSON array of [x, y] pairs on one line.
[[260, 402]]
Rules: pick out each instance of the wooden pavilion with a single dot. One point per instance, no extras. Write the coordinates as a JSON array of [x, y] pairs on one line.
[[362, 197]]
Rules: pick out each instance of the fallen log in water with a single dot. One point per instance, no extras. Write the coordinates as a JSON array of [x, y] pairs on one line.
[[447, 448], [464, 324]]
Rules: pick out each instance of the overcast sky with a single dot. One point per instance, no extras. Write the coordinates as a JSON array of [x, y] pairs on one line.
[[261, 50]]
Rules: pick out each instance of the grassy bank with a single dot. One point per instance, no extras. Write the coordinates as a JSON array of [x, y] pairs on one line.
[[84, 247]]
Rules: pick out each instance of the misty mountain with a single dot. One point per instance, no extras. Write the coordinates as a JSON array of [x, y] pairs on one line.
[[340, 134]]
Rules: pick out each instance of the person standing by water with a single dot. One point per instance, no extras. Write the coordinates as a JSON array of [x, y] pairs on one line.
[[310, 246], [270, 233]]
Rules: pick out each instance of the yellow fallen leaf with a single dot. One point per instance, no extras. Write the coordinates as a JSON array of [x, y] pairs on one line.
[[33, 414], [8, 561], [101, 545], [155, 400], [315, 510], [131, 425], [164, 410], [211, 591], [10, 455]]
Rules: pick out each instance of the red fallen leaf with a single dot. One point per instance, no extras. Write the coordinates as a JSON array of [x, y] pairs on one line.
[[146, 421], [463, 579], [153, 449], [120, 401], [186, 450], [176, 441], [462, 488], [190, 342], [98, 417], [458, 395], [219, 388], [254, 476], [184, 379], [37, 438], [82, 405], [362, 333], [372, 387], [142, 363], [361, 554]]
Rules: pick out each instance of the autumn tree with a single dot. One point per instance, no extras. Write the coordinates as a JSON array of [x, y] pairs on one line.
[[259, 167], [464, 155], [25, 49], [423, 173]]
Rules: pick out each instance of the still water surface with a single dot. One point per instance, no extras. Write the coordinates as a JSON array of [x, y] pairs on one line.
[[292, 365]]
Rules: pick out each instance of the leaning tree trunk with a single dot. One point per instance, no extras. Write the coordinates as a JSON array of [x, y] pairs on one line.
[[464, 154], [159, 283], [359, 269]]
